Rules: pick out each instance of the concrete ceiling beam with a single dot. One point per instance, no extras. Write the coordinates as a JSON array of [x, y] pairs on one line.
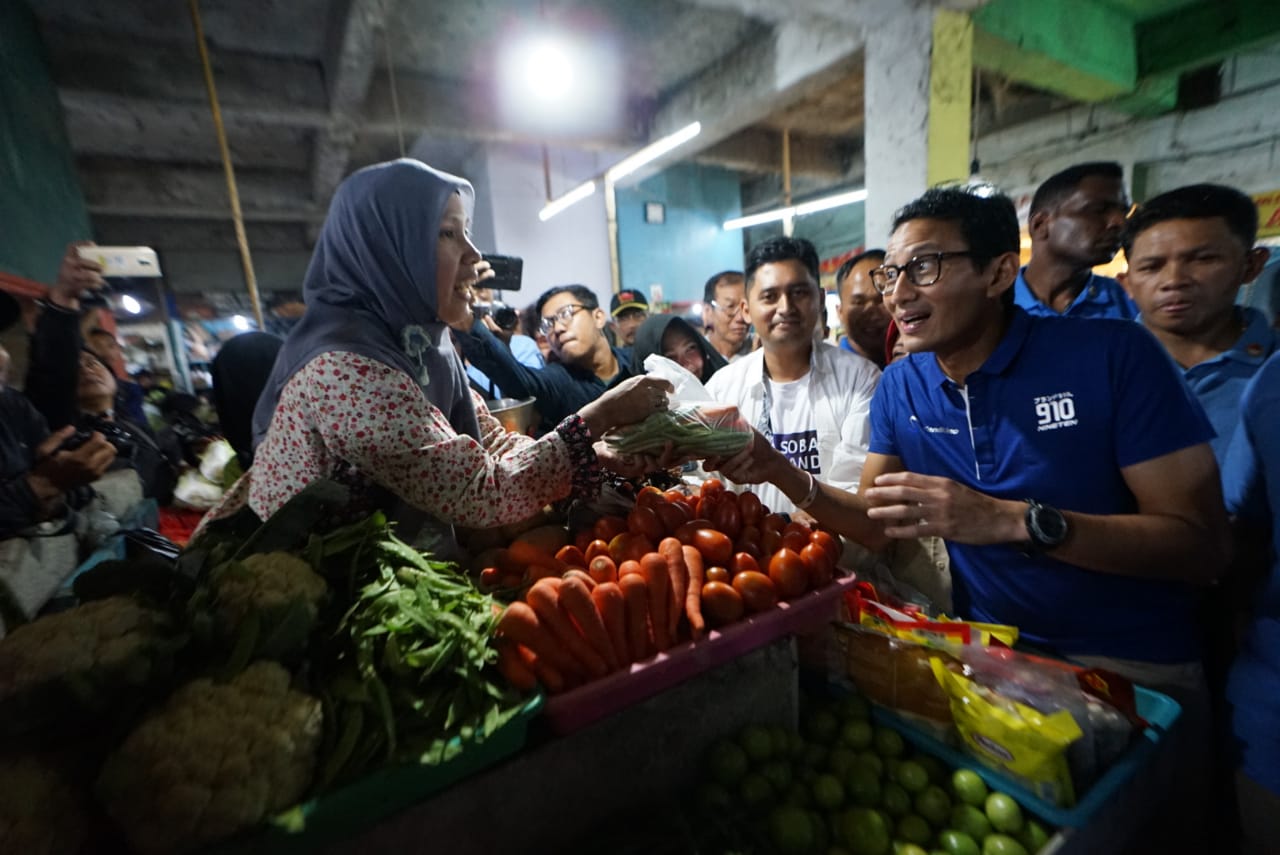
[[759, 150], [169, 235], [155, 186], [865, 12]]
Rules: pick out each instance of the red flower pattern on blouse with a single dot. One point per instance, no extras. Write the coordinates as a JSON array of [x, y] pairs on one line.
[[349, 413]]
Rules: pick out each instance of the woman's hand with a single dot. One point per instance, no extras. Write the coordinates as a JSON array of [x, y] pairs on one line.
[[629, 402], [637, 465]]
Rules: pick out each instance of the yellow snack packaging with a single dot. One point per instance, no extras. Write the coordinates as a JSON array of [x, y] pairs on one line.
[[1012, 737]]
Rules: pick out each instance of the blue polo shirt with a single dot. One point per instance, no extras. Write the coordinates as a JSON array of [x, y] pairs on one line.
[[1219, 382], [1032, 424], [1101, 297], [1251, 476]]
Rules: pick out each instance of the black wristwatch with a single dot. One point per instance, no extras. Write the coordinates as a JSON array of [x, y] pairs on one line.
[[1046, 525]]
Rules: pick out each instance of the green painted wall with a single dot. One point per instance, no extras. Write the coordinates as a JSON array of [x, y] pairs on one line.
[[43, 205]]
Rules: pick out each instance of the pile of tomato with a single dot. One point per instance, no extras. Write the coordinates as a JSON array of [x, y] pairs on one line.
[[753, 558]]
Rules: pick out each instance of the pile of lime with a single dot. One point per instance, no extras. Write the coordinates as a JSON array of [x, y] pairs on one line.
[[846, 786]]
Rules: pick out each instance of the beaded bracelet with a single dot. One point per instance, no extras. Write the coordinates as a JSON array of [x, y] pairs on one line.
[[587, 473], [811, 496]]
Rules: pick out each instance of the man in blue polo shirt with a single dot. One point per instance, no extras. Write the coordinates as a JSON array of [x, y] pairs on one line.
[[1190, 250], [1075, 223]]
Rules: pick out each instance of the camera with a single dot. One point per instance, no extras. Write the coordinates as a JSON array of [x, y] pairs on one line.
[[111, 432], [503, 315]]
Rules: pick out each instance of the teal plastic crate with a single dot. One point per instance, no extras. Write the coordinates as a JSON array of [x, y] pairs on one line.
[[1160, 712], [363, 803]]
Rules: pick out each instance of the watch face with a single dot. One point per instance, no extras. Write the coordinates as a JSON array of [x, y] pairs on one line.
[[1050, 524]]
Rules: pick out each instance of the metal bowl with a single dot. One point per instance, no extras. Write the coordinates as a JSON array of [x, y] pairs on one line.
[[516, 415]]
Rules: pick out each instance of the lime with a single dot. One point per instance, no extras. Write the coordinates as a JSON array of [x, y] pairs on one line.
[[891, 765], [1002, 844], [932, 765], [798, 794], [969, 787], [821, 831], [822, 726], [933, 804], [795, 745], [862, 786], [755, 789], [895, 800], [900, 848], [727, 763], [815, 754], [870, 761], [888, 742], [971, 821], [913, 829], [828, 792], [1004, 813], [912, 776], [856, 733], [854, 706], [713, 797], [957, 843], [865, 832], [790, 830], [757, 742], [1033, 836], [779, 774], [841, 760]]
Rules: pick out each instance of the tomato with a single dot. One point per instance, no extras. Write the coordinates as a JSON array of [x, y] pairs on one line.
[[711, 485], [721, 603], [644, 521], [490, 577], [750, 508], [819, 565], [743, 561], [773, 522], [626, 568], [595, 549], [719, 574], [798, 528], [749, 534], [650, 497], [757, 590], [583, 539], [830, 544], [789, 572], [674, 495], [673, 515], [794, 540], [689, 507], [608, 527], [539, 571], [726, 518], [685, 533], [629, 546], [752, 549], [572, 556], [602, 569], [715, 546], [770, 542]]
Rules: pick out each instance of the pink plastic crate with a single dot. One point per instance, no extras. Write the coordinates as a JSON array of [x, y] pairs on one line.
[[580, 707]]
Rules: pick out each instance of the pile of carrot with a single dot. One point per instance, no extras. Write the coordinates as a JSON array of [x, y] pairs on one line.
[[584, 625]]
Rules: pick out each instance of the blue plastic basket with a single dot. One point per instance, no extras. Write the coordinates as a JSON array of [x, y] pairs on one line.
[[1160, 712]]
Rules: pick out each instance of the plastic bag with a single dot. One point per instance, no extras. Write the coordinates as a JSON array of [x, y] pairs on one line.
[[696, 426]]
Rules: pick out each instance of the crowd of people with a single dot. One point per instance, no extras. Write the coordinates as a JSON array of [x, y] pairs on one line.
[[1093, 460]]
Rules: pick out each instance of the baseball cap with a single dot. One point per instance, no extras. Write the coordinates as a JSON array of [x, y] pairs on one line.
[[628, 298]]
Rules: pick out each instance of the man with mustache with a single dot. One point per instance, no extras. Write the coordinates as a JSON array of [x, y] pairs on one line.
[[810, 400], [1076, 221]]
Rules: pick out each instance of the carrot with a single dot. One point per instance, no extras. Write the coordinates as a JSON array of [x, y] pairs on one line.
[[670, 549], [656, 574], [551, 679], [575, 600], [635, 590], [545, 600], [513, 667], [693, 600], [581, 576], [542, 571], [520, 623], [627, 567], [612, 606]]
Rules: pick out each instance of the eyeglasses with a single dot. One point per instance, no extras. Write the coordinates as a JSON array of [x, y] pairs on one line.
[[729, 310], [562, 315], [923, 270]]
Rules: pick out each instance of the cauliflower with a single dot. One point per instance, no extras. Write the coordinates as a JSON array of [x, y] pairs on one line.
[[41, 811], [267, 604], [214, 760], [84, 660]]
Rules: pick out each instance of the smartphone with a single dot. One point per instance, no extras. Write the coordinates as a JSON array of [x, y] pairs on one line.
[[119, 261], [509, 270]]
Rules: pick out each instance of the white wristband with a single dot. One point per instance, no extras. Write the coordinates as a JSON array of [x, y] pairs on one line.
[[811, 495]]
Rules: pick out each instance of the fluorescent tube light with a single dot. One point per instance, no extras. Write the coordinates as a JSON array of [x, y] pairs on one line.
[[652, 152], [826, 202], [577, 194]]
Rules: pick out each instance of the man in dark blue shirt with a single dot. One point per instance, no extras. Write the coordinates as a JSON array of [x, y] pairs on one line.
[[584, 366]]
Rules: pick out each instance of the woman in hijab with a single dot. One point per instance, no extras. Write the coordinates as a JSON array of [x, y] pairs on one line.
[[368, 389], [677, 340]]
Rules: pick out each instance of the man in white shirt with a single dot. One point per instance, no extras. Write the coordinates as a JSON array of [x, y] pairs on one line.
[[812, 400]]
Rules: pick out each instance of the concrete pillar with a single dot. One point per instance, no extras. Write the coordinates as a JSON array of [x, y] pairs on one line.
[[919, 85]]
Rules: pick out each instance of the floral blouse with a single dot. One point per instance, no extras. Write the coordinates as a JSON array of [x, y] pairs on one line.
[[351, 415]]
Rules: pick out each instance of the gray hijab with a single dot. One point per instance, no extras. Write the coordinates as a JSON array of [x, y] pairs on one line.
[[371, 288]]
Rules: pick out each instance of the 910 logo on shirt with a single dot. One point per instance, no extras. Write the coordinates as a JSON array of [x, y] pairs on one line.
[[1055, 411]]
